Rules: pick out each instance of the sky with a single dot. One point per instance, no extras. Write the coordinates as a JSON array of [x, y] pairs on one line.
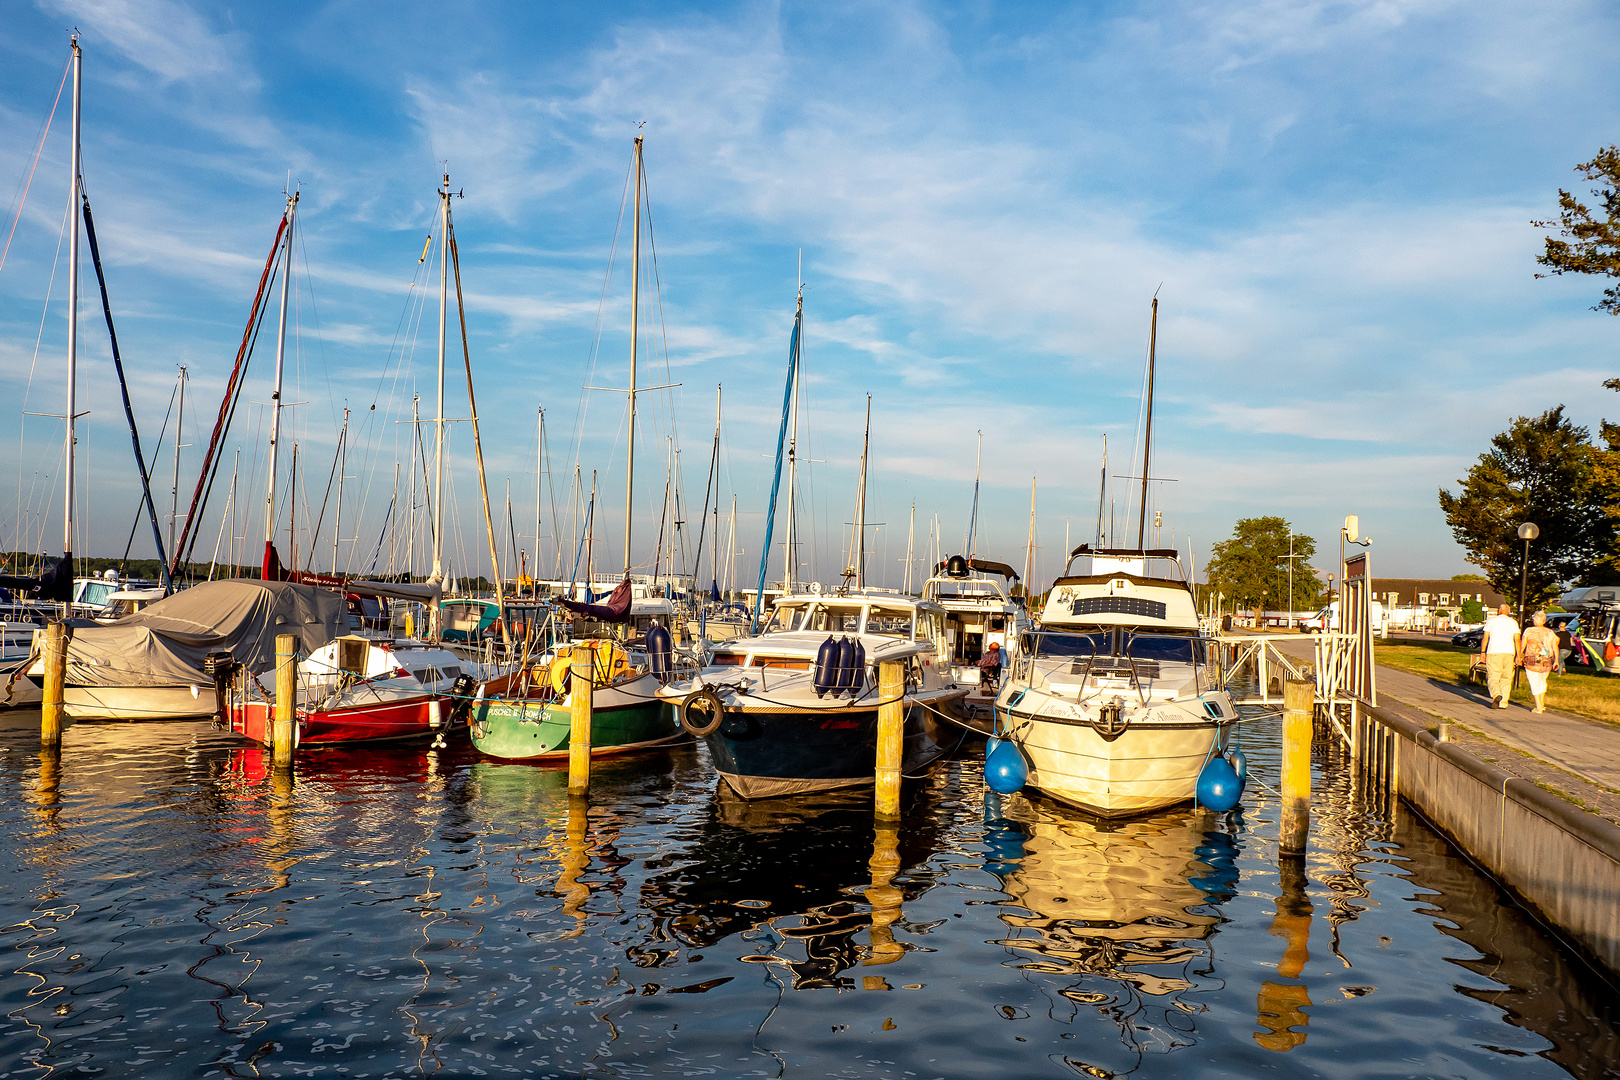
[[1331, 200]]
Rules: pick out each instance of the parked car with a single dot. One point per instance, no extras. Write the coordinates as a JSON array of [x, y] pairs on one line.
[[1469, 638]]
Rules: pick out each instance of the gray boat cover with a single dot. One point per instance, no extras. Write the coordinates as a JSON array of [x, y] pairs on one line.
[[165, 644]]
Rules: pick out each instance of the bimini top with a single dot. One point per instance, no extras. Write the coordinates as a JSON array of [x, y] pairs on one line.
[[165, 644], [1120, 599]]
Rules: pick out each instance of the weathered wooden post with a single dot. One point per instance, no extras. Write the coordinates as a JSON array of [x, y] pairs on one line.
[[1298, 707], [890, 736], [51, 709], [281, 737], [581, 691]]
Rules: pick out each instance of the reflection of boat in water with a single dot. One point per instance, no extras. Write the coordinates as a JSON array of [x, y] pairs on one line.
[[816, 909], [1119, 913]]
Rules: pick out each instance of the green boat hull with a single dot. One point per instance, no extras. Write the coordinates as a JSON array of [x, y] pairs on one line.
[[523, 730]]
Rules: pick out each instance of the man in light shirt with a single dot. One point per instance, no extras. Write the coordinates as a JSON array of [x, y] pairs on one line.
[[1501, 649]]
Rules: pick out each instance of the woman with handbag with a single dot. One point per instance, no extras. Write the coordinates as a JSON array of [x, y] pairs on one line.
[[1538, 654]]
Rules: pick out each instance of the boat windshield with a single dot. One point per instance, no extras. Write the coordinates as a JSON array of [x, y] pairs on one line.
[[1164, 648], [891, 622]]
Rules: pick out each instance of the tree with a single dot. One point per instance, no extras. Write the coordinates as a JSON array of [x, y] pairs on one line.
[[1540, 470], [1593, 244], [1251, 569], [1606, 475], [1472, 611], [1467, 577]]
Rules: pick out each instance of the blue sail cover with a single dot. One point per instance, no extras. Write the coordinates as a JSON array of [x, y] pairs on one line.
[[781, 444]]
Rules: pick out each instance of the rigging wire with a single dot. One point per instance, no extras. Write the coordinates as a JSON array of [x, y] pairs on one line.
[[21, 201]]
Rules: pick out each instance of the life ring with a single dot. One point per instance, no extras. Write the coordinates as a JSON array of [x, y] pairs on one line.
[[704, 702], [559, 669]]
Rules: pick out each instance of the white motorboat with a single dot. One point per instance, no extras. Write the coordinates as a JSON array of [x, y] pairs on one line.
[[1118, 703], [977, 612], [780, 719]]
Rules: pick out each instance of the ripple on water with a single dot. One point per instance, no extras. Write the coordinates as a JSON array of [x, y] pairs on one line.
[[170, 905]]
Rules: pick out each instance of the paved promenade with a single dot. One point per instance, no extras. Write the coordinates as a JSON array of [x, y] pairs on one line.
[[1588, 748]]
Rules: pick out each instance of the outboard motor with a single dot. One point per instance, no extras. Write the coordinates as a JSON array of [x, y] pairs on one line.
[[826, 677], [858, 678], [846, 666], [956, 567], [660, 652], [461, 699], [219, 667]]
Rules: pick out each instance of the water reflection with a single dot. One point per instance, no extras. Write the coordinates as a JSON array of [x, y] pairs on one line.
[[1122, 911]]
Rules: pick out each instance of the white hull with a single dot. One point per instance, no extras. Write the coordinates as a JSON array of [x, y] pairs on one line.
[[1148, 767], [139, 702]]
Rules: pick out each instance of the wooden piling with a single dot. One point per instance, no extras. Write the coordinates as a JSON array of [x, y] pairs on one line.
[[581, 691], [51, 708], [890, 736], [281, 739], [1299, 705]]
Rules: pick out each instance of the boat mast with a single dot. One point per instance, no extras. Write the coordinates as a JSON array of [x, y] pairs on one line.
[[635, 336], [973, 517], [539, 472], [731, 551], [438, 421], [275, 392], [343, 465], [911, 533], [1147, 433], [789, 562], [1102, 497], [75, 198], [174, 492], [860, 504], [1029, 553]]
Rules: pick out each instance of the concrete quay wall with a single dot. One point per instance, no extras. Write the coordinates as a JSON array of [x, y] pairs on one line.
[[1562, 862]]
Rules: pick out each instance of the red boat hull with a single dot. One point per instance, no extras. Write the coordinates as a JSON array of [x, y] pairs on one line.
[[407, 719]]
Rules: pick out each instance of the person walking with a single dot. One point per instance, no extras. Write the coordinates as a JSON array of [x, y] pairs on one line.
[[1538, 653], [1501, 648]]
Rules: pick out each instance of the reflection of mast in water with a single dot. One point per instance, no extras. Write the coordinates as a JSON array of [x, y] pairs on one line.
[[1124, 906]]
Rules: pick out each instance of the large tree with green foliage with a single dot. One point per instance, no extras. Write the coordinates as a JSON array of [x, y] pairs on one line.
[[1588, 242], [1540, 470], [1251, 569]]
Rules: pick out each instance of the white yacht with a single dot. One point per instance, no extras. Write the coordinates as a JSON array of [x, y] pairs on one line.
[[794, 708], [1118, 702], [978, 611]]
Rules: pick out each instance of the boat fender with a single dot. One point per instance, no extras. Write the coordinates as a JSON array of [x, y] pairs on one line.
[[702, 712], [660, 651], [1240, 767], [1218, 788], [846, 666], [826, 677], [1005, 770], [858, 670]]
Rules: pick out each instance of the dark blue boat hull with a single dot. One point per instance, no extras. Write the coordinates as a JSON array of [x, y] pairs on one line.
[[768, 755]]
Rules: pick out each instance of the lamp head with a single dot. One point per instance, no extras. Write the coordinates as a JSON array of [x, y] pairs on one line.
[[1352, 526], [1529, 531]]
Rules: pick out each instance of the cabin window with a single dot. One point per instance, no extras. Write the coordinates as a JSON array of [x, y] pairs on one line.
[[893, 622], [823, 619]]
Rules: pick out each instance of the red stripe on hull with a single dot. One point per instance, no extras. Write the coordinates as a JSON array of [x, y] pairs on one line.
[[368, 723]]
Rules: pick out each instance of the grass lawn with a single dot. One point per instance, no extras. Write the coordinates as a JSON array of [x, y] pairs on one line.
[[1594, 696]]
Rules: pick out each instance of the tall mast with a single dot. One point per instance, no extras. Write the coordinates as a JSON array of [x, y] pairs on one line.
[[714, 554], [75, 200], [731, 550], [1029, 554], [635, 337], [539, 472], [1147, 433], [174, 492], [860, 504], [790, 564], [911, 533], [1102, 496], [281, 357], [973, 517], [438, 421], [343, 464]]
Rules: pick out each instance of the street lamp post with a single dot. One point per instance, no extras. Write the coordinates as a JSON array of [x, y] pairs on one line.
[[1527, 532]]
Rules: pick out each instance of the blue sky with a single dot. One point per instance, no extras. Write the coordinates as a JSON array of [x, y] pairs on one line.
[[1332, 200]]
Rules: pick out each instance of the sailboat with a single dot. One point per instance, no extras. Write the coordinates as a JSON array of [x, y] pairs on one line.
[[527, 714], [793, 707], [1119, 703]]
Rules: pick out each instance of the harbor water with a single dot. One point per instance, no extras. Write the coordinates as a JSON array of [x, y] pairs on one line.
[[172, 907]]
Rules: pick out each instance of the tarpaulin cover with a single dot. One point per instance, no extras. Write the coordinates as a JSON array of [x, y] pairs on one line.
[[617, 608], [165, 644]]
